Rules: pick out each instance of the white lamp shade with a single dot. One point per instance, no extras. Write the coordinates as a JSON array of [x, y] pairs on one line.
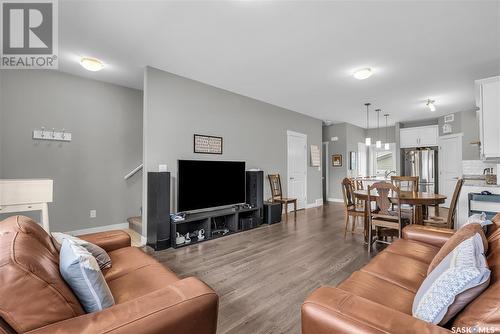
[[386, 146], [368, 141], [378, 143]]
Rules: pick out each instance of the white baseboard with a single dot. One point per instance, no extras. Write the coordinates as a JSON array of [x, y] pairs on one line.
[[318, 202], [122, 226], [336, 200]]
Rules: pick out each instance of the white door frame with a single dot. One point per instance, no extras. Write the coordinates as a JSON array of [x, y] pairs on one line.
[[440, 158], [297, 134]]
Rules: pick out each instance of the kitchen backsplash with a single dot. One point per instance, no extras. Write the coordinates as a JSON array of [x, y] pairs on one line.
[[476, 167]]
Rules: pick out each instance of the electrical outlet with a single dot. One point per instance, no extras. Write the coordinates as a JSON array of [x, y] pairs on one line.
[[93, 213]]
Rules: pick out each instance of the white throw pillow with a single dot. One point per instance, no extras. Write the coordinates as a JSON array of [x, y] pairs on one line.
[[81, 272], [100, 254], [456, 281], [479, 218]]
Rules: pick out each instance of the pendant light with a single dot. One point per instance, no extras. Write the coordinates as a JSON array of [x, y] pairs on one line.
[[378, 143], [386, 145], [368, 140]]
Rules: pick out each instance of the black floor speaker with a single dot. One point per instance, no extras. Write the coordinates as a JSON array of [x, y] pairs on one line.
[[255, 188], [158, 231]]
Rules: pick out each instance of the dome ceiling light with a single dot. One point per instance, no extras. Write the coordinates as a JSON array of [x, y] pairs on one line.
[[363, 73], [91, 64]]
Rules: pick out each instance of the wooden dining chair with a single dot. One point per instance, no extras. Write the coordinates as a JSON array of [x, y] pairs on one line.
[[383, 217], [449, 220], [405, 183], [351, 210], [410, 184], [359, 185], [277, 194]]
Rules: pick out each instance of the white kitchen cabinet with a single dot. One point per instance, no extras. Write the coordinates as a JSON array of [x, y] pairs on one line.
[[488, 102], [422, 136]]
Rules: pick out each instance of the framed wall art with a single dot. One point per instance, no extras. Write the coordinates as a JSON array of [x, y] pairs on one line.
[[315, 156], [207, 144], [352, 160], [337, 160]]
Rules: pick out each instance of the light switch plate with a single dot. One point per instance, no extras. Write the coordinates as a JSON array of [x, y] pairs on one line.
[[93, 213]]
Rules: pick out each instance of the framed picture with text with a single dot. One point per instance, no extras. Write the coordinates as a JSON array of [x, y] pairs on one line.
[[207, 144]]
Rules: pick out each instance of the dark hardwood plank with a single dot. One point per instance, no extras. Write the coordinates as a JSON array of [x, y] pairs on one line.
[[263, 275]]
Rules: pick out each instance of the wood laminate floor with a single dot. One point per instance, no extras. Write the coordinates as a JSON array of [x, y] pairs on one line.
[[263, 275]]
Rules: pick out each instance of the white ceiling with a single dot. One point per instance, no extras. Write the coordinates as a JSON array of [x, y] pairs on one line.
[[298, 55]]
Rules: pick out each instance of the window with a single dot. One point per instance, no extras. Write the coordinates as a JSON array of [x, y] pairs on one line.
[[382, 160]]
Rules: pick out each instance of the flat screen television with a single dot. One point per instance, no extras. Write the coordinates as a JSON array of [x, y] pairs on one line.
[[208, 184]]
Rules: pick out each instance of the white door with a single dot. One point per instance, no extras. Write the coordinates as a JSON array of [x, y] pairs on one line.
[[450, 164], [297, 168]]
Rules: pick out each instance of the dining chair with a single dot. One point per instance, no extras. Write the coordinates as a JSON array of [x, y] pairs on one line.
[[351, 210], [277, 194], [410, 184], [405, 183], [449, 220], [359, 185], [384, 217]]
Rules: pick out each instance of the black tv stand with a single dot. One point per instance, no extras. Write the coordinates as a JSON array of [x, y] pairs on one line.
[[214, 222]]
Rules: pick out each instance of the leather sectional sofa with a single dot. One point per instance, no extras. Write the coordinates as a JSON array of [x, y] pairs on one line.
[[150, 299], [378, 298]]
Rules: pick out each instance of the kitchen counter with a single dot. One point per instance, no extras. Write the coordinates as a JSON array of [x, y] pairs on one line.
[[479, 183], [372, 179]]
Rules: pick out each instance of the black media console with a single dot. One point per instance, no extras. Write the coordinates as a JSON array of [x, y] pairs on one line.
[[216, 223], [220, 222]]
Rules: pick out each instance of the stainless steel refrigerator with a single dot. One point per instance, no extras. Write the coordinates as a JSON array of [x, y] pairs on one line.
[[422, 163]]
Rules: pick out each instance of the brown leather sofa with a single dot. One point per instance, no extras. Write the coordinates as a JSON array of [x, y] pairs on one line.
[[378, 298], [149, 298]]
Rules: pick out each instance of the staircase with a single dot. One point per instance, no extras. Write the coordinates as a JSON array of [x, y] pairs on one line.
[[135, 224]]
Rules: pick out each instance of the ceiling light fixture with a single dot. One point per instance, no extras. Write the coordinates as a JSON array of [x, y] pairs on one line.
[[430, 105], [91, 64], [363, 73], [378, 143], [386, 145], [368, 140]]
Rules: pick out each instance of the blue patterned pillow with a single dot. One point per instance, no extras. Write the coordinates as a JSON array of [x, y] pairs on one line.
[[81, 272], [456, 281]]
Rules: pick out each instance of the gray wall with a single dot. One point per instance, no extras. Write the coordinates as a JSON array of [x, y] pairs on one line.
[[106, 125], [391, 134], [336, 174], [465, 122], [175, 108], [424, 122], [1, 121], [348, 138]]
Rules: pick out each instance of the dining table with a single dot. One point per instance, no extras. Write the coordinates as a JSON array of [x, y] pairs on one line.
[[419, 200]]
